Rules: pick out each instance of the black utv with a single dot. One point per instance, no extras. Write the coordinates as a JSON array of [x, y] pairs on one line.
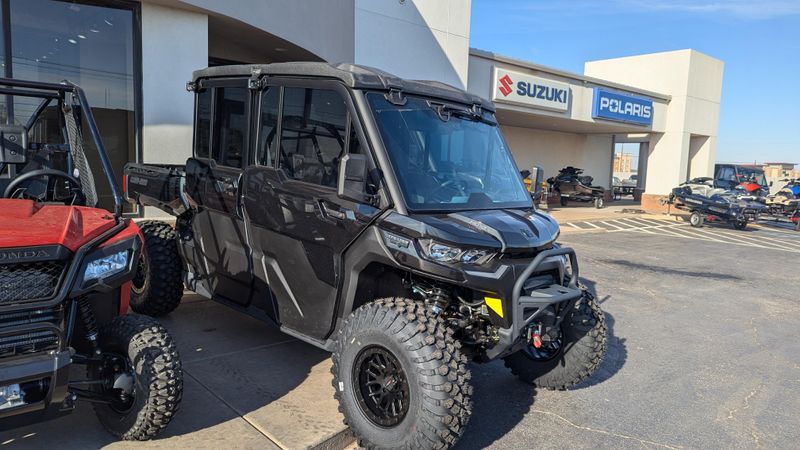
[[381, 219]]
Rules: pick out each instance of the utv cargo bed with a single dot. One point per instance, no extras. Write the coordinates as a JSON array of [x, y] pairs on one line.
[[159, 185]]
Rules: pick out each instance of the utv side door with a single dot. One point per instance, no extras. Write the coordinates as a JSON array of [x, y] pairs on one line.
[[299, 225], [214, 178]]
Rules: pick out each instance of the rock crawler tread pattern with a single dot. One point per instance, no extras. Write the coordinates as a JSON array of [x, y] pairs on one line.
[[581, 354], [440, 369], [165, 278], [157, 364]]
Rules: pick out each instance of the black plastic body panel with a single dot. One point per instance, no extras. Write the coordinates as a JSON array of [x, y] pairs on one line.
[[159, 185]]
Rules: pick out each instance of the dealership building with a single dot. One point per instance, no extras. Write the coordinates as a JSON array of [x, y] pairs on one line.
[[134, 57]]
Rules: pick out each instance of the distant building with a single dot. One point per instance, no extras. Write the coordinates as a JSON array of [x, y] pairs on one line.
[[781, 170], [623, 162]]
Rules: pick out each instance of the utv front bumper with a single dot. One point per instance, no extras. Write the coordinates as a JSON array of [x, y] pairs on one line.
[[34, 389], [528, 304]]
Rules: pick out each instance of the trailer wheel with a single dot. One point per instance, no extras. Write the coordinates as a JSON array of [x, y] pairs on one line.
[[696, 219], [572, 358], [142, 370], [599, 202], [400, 377], [740, 224], [157, 287]]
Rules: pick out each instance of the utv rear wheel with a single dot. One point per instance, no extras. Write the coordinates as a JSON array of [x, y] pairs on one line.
[[157, 287], [570, 359], [400, 378], [143, 372], [740, 224], [696, 220]]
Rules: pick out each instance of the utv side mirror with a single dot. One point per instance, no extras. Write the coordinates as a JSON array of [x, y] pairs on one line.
[[537, 177], [352, 175]]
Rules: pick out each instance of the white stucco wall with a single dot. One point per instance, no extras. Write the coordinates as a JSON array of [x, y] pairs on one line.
[[419, 39], [174, 43], [481, 82], [694, 81], [553, 150]]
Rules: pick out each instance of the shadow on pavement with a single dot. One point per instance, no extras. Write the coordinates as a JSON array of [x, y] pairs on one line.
[[501, 400], [616, 350], [241, 377], [671, 271]]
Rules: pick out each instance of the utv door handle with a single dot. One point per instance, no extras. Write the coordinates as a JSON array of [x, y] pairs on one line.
[[225, 187], [332, 213]]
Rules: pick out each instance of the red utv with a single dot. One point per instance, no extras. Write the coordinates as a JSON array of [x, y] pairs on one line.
[[65, 277]]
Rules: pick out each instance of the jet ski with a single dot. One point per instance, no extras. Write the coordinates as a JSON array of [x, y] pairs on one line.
[[571, 185], [705, 202]]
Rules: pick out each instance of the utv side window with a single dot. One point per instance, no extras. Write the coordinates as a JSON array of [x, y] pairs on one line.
[[230, 124], [267, 137], [312, 134], [203, 129]]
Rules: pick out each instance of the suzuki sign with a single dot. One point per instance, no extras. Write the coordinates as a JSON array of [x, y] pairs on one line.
[[611, 105], [526, 90]]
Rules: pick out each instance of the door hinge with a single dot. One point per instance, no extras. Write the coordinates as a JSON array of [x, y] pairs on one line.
[[256, 81]]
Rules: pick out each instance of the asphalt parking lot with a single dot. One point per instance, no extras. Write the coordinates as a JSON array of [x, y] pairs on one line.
[[704, 352]]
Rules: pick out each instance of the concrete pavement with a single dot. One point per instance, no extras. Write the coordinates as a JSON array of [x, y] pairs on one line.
[[247, 385], [703, 353]]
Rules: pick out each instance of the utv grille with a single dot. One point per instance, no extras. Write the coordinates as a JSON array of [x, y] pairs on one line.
[[30, 280], [29, 338]]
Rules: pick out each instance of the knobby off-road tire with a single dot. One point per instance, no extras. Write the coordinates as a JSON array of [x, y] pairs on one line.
[[584, 337], [740, 224], [439, 393], [158, 377], [158, 284]]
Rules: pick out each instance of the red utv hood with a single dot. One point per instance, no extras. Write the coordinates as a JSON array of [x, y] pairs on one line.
[[25, 223], [750, 186]]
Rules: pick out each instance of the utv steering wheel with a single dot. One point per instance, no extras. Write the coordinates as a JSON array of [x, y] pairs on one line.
[[78, 197]]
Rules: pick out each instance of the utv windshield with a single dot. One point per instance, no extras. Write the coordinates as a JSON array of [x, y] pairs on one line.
[[447, 158], [756, 176]]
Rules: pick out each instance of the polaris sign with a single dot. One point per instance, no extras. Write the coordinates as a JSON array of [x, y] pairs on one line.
[[526, 90], [621, 107]]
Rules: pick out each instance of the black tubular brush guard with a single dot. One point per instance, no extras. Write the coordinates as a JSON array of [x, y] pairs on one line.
[[537, 300]]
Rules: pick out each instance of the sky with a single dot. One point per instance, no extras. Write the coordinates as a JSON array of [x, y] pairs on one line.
[[759, 42]]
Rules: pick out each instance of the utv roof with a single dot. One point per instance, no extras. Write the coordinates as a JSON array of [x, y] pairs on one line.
[[352, 75]]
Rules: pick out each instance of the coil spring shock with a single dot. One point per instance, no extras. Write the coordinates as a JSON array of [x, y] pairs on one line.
[[89, 322]]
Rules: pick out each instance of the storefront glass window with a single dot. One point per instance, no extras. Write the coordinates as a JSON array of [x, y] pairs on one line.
[[92, 46]]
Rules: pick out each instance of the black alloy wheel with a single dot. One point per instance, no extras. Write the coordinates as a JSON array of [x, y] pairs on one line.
[[383, 391], [139, 282], [120, 382]]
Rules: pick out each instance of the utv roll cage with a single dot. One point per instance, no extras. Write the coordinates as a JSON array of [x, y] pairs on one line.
[[48, 92]]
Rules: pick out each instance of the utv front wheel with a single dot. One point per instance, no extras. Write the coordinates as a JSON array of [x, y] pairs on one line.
[[142, 373], [571, 358], [157, 287], [740, 224], [400, 378]]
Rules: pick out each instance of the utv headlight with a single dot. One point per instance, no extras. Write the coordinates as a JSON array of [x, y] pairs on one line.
[[436, 251], [105, 266]]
